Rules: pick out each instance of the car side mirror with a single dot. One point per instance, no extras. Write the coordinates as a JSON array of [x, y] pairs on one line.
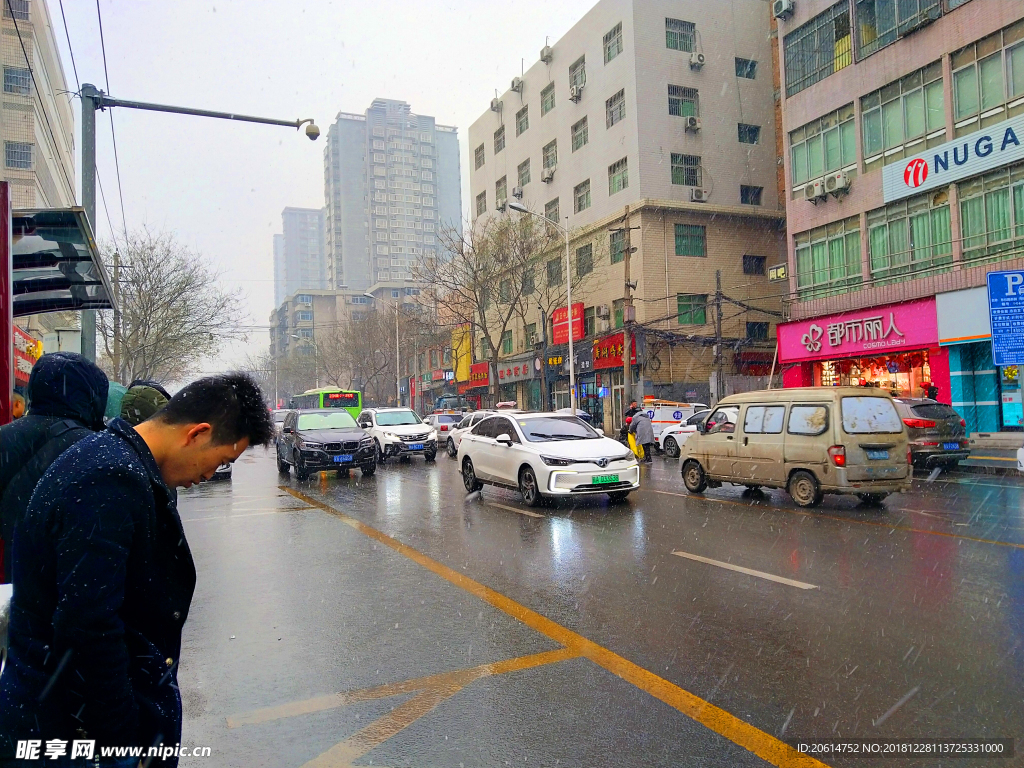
[[599, 431], [287, 430], [504, 440], [702, 428]]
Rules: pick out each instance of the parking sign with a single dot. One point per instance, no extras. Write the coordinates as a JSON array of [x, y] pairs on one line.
[[1006, 314]]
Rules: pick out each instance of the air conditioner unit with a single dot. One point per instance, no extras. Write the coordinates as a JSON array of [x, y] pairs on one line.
[[576, 93], [501, 203], [547, 175], [546, 54], [699, 195], [517, 84], [696, 60], [603, 325], [815, 190], [495, 105], [837, 183], [517, 192], [692, 124], [782, 9], [602, 310]]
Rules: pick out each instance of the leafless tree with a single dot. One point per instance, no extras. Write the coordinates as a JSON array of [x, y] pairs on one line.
[[173, 312]]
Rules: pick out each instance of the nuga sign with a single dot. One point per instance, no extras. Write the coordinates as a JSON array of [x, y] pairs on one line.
[[992, 147]]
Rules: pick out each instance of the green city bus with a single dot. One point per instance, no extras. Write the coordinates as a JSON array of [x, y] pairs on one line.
[[328, 397]]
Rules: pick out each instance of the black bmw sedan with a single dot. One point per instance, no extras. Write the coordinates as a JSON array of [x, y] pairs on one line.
[[319, 440]]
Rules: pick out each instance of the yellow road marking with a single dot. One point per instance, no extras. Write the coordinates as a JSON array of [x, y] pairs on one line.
[[843, 519], [724, 723], [994, 458]]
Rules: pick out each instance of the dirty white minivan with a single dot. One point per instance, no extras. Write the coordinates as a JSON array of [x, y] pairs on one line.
[[808, 440]]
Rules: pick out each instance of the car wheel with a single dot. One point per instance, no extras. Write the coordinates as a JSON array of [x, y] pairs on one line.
[[671, 448], [804, 489], [282, 466], [693, 477], [617, 497], [452, 450], [301, 473], [430, 455], [469, 476], [368, 469], [381, 457], [529, 487], [872, 499]]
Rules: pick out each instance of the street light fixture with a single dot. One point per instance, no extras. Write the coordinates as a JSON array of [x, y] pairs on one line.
[[316, 356], [515, 205], [398, 368]]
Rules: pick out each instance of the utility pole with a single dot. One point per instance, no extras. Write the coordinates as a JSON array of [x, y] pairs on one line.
[[117, 317], [627, 317], [544, 397], [89, 107], [719, 389]]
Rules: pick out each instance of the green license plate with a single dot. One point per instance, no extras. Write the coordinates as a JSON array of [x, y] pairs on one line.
[[600, 479]]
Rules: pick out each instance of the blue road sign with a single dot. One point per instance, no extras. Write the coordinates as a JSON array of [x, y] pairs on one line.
[[1006, 314]]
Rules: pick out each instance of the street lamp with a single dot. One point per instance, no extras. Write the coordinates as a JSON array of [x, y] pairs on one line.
[[316, 356], [398, 367], [515, 205]]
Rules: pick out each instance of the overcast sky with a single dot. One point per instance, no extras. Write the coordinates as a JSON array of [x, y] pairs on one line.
[[220, 186]]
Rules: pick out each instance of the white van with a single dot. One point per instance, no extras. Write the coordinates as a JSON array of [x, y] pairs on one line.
[[667, 413], [808, 440]]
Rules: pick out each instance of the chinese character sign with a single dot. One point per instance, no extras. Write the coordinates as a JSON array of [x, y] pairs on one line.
[[1006, 314], [560, 324], [608, 352]]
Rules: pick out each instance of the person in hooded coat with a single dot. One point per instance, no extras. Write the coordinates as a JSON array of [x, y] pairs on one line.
[[67, 396], [644, 431]]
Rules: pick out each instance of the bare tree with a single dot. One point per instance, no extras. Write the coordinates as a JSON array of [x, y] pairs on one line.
[[173, 313]]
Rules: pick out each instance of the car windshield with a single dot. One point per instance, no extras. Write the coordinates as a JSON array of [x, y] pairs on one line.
[[333, 420], [556, 428], [397, 418]]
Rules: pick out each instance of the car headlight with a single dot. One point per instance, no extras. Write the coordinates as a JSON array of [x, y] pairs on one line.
[[553, 461], [391, 436], [432, 435], [312, 446]]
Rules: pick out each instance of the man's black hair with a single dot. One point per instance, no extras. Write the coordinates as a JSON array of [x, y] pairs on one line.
[[231, 403]]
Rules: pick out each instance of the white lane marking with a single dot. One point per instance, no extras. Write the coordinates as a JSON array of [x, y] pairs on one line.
[[251, 514], [748, 571], [512, 509]]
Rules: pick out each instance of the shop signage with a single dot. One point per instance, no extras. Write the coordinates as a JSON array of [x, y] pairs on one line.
[[509, 373], [963, 316], [26, 351], [479, 376], [910, 325], [778, 272], [607, 352], [992, 147], [1006, 314], [560, 324], [442, 375]]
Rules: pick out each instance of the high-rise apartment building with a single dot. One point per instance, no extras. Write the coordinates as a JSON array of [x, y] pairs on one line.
[[391, 182], [37, 123], [668, 108], [904, 158], [299, 256]]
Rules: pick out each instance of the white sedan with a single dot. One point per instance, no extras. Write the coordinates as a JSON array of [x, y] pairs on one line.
[[671, 438], [546, 455], [456, 433]]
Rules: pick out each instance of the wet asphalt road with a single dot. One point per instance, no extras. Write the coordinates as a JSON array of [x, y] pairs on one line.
[[920, 601]]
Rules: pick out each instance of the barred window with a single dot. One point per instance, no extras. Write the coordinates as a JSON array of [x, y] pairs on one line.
[[19, 8], [757, 331], [617, 245], [499, 140], [613, 43], [615, 108], [481, 203], [683, 102], [523, 172], [554, 269], [551, 210], [686, 170], [547, 99], [754, 265], [679, 35], [17, 80], [584, 260], [549, 154], [522, 120], [579, 134], [17, 154], [817, 49], [581, 196], [883, 22], [578, 73], [478, 156], [691, 240], [618, 176]]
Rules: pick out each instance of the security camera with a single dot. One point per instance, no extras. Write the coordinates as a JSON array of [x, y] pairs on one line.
[[312, 132]]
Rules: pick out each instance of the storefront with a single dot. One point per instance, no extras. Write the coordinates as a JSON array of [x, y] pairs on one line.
[[893, 347], [511, 374], [476, 387], [987, 396], [607, 361]]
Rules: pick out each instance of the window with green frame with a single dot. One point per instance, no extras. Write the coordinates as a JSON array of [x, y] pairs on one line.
[[523, 120], [617, 246], [992, 214], [554, 272], [618, 176], [547, 99], [883, 22], [680, 35], [903, 118], [828, 259], [530, 334], [506, 342], [910, 236], [686, 170], [823, 145], [987, 76], [584, 260], [691, 240], [617, 312], [589, 321], [683, 102], [693, 308]]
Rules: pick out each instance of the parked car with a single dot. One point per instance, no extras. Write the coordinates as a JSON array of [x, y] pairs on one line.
[[399, 432], [279, 417], [223, 472], [546, 455], [318, 440], [666, 414], [443, 423], [456, 433], [671, 438], [808, 440], [938, 436]]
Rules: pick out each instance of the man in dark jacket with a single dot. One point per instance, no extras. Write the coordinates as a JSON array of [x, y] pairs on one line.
[[103, 576], [67, 395]]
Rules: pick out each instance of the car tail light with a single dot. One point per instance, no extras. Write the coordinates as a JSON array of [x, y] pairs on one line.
[[444, 427], [838, 455], [963, 423], [919, 423]]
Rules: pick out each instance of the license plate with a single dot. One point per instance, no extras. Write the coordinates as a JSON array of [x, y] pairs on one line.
[[951, 446], [601, 479], [343, 458], [878, 455], [415, 446]]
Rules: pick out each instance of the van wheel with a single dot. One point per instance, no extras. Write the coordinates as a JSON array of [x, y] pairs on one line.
[[693, 477], [803, 487], [872, 499], [671, 448]]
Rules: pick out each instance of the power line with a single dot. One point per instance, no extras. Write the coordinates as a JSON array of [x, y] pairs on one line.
[[42, 106], [74, 67], [113, 136]]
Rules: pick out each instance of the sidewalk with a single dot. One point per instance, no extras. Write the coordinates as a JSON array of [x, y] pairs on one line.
[[990, 460]]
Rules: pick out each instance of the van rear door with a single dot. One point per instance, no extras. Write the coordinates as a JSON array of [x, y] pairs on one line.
[[876, 441]]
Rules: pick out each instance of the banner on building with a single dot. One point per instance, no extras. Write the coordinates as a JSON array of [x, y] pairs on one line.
[[462, 352], [560, 324], [26, 351]]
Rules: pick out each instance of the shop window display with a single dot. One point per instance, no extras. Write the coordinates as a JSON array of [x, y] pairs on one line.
[[904, 375]]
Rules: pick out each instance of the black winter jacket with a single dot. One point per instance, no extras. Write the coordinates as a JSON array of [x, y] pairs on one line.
[[103, 580], [67, 396]]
